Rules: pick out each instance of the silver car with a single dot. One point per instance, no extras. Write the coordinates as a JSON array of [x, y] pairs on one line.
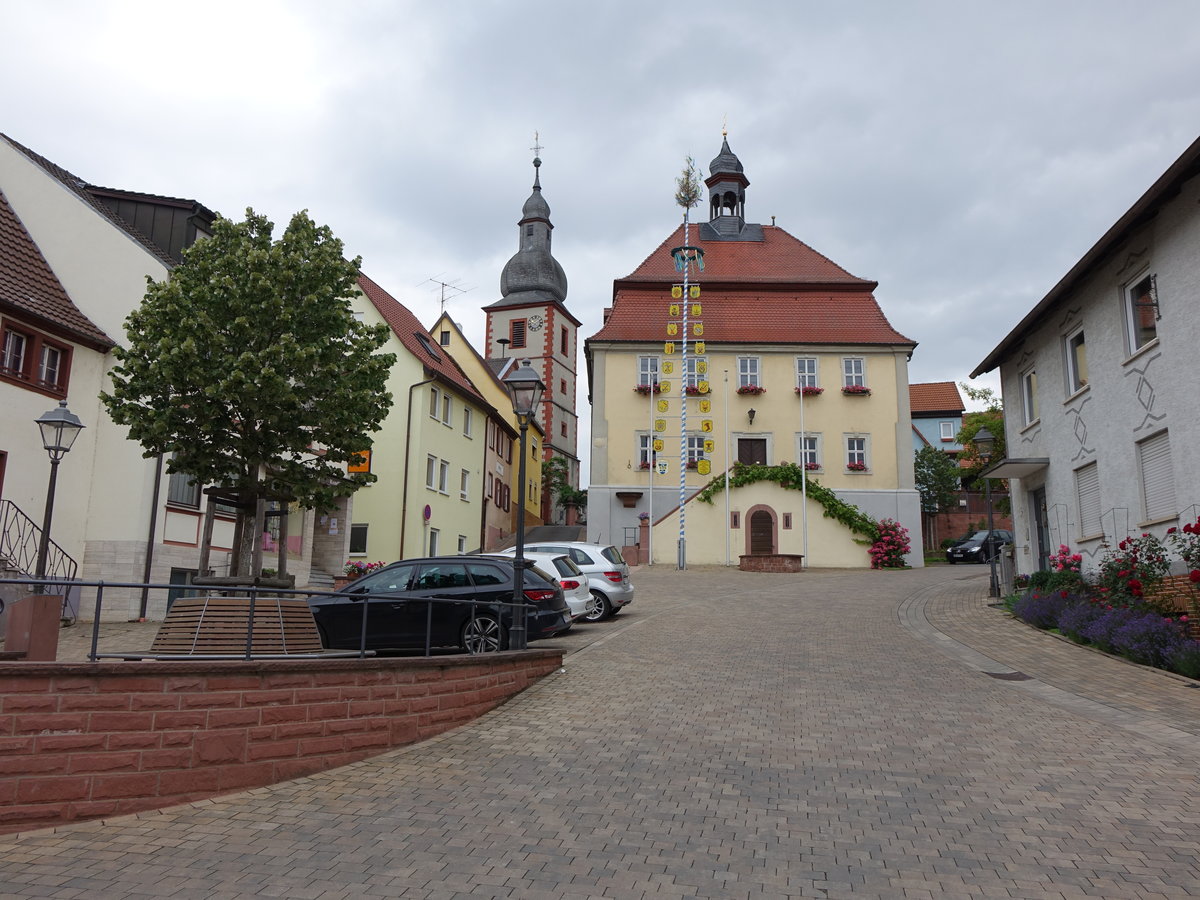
[[559, 567], [606, 569]]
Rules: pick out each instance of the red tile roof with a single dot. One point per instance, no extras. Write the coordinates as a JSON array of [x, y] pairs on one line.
[[28, 285], [406, 327], [774, 291], [777, 258], [935, 397]]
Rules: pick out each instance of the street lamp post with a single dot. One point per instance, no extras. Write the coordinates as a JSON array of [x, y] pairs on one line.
[[59, 429], [525, 389], [984, 442]]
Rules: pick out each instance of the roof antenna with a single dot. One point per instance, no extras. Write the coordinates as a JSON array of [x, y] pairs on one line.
[[444, 286]]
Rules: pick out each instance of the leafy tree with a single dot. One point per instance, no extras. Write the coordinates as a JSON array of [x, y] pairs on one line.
[[938, 479], [249, 368], [556, 478], [992, 416]]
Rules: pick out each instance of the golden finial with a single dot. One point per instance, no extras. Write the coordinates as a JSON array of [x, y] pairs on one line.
[[725, 126]]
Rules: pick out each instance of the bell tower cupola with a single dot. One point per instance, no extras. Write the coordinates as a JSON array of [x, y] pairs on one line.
[[727, 184]]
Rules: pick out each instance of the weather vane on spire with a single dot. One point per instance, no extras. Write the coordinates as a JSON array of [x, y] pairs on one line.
[[725, 125], [537, 147]]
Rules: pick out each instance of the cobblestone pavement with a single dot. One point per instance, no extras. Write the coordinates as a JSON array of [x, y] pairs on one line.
[[833, 734]]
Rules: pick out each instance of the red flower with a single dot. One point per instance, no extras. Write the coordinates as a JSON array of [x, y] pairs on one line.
[[1173, 530], [1135, 587], [1123, 544], [1194, 575]]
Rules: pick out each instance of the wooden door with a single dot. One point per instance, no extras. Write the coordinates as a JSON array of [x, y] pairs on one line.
[[762, 533], [752, 451]]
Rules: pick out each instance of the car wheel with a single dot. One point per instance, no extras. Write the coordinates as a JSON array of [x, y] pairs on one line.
[[598, 608], [483, 634]]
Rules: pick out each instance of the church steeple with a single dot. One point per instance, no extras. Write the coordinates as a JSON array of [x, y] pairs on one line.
[[533, 274], [727, 185]]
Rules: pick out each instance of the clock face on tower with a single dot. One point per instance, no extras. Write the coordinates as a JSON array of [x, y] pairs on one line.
[[535, 322]]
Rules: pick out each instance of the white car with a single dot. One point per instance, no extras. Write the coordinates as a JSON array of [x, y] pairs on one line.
[[606, 570], [573, 581]]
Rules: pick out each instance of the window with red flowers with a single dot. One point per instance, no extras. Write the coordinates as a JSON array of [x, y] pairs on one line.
[[33, 360]]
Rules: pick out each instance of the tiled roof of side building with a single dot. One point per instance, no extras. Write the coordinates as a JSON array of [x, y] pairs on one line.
[[406, 327], [777, 258], [28, 285], [935, 397]]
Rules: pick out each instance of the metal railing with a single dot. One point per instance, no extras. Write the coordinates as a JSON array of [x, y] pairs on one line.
[[20, 537], [255, 595]]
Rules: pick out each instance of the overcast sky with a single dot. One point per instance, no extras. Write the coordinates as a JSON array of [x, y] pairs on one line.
[[964, 155]]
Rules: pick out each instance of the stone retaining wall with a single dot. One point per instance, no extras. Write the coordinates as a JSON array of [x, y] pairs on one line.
[[84, 741]]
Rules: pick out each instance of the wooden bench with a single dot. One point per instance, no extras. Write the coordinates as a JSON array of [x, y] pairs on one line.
[[202, 626]]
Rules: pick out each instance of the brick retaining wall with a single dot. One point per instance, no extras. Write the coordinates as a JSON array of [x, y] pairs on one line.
[[83, 741], [1180, 592], [774, 562]]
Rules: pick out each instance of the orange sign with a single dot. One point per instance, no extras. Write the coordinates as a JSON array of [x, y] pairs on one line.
[[361, 463]]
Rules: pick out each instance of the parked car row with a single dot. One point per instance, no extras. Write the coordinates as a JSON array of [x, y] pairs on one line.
[[467, 601]]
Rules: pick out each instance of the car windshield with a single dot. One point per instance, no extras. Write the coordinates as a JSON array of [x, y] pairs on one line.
[[613, 555], [536, 577], [979, 536]]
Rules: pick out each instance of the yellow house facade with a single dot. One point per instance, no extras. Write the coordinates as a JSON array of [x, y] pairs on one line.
[[429, 456], [773, 355]]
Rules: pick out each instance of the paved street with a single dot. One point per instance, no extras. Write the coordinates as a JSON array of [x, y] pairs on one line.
[[835, 734]]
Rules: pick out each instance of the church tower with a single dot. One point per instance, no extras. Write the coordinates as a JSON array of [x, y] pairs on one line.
[[531, 321]]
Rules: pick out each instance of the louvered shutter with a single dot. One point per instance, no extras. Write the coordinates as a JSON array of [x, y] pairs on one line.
[[1087, 488], [1158, 480]]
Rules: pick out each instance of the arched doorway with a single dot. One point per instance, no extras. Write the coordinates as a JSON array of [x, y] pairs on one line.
[[762, 533]]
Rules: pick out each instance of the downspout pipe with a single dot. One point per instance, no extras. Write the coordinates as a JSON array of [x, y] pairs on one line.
[[407, 461], [145, 602]]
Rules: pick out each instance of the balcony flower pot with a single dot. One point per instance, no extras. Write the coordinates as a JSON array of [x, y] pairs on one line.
[[812, 467], [751, 389], [856, 467], [857, 389], [646, 389], [810, 391]]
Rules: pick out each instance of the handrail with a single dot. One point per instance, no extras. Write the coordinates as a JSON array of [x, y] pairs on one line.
[[20, 538]]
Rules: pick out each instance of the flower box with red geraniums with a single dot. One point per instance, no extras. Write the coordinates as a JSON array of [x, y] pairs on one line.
[[692, 389], [810, 391], [355, 568], [856, 389], [812, 467], [648, 389], [692, 463], [856, 467], [751, 389], [644, 466]]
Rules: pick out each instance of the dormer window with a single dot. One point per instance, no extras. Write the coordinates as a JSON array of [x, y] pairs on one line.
[[34, 360], [425, 342]]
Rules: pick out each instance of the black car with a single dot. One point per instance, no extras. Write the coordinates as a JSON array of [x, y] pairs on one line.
[[457, 601], [979, 547]]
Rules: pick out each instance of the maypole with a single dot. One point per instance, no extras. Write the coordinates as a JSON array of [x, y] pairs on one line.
[[687, 195]]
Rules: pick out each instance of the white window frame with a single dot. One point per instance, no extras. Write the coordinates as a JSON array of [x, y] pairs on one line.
[[462, 544], [1088, 502], [444, 477], [1029, 396], [464, 484], [431, 472], [648, 370], [692, 374], [1075, 350], [947, 429], [695, 446], [749, 371], [804, 377], [811, 452], [1130, 295], [857, 448], [435, 402], [854, 371], [447, 410], [468, 422], [645, 449], [1157, 477], [434, 540]]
